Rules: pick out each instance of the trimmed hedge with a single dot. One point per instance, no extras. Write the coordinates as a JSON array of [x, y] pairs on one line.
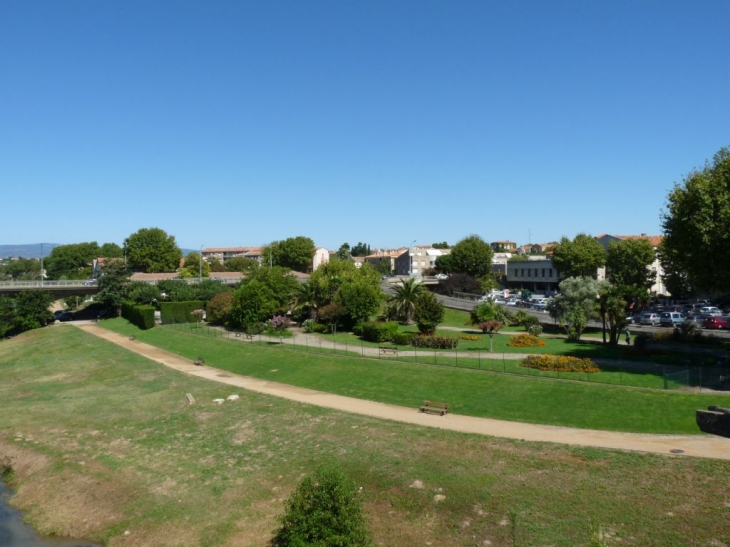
[[375, 331], [180, 312], [142, 316], [435, 342]]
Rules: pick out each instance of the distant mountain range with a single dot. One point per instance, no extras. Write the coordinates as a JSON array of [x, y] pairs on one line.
[[28, 250], [33, 250]]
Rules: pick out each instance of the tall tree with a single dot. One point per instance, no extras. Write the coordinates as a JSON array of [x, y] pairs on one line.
[[576, 303], [295, 253], [194, 265], [445, 263], [241, 264], [111, 250], [360, 299], [32, 310], [152, 250], [253, 303], [71, 261], [472, 256], [580, 257], [113, 279], [344, 252], [428, 312], [361, 249], [628, 261], [696, 225]]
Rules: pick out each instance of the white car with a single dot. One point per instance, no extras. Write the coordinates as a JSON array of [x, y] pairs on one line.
[[441, 276], [711, 310]]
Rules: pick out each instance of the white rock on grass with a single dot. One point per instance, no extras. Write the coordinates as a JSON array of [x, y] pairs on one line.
[[233, 397], [218, 401]]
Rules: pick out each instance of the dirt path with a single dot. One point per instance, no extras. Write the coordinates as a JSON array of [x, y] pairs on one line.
[[702, 446]]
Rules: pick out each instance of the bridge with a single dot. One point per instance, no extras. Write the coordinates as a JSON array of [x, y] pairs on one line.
[[82, 287]]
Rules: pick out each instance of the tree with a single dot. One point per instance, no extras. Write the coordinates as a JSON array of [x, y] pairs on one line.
[[24, 269], [176, 291], [141, 293], [7, 316], [280, 281], [445, 263], [442, 245], [217, 266], [295, 253], [344, 252], [404, 297], [628, 261], [472, 256], [384, 266], [241, 264], [252, 303], [111, 250], [491, 328], [579, 258], [71, 261], [696, 224], [361, 249], [575, 304], [305, 300], [193, 265], [612, 310], [329, 277], [323, 511], [488, 311], [332, 315], [112, 282], [32, 310], [428, 312], [459, 283], [360, 299], [152, 250], [219, 308]]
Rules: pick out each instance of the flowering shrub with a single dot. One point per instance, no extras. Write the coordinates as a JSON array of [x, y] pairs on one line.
[[560, 363], [470, 337], [434, 342], [309, 325], [525, 341], [198, 315], [279, 323]]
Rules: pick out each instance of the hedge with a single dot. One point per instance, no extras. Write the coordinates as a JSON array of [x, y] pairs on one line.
[[180, 312], [142, 316], [374, 331]]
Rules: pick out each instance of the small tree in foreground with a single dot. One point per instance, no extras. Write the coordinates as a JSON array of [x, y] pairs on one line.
[[323, 511], [491, 328], [428, 312]]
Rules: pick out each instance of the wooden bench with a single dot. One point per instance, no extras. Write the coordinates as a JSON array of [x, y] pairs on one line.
[[432, 407], [386, 351], [199, 362]]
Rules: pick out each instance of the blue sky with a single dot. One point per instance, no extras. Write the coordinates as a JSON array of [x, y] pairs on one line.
[[238, 123]]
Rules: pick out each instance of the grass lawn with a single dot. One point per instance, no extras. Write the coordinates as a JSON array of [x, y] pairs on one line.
[[470, 391], [103, 445]]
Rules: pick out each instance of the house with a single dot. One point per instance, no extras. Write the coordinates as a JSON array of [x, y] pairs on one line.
[[223, 254], [416, 260], [321, 256], [504, 246], [536, 274], [658, 287], [391, 255]]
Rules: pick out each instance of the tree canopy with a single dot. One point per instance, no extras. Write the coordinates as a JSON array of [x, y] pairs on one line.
[[152, 250], [71, 261], [580, 257], [696, 224], [295, 253], [628, 261], [472, 256]]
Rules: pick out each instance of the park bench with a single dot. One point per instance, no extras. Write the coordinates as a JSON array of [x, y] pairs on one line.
[[199, 362], [432, 407], [386, 351]]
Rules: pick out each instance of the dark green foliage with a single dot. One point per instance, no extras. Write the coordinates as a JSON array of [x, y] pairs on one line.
[[324, 511], [489, 311], [152, 250], [458, 282], [219, 308], [580, 257], [360, 299], [472, 256], [402, 338], [71, 261], [428, 312], [179, 312], [434, 342], [374, 331], [112, 281], [32, 310], [140, 315], [294, 253], [253, 303], [141, 293]]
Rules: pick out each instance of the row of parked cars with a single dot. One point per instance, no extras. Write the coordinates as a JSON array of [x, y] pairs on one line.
[[709, 317]]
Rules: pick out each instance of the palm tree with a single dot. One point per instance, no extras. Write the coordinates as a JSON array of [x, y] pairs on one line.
[[306, 299], [405, 297]]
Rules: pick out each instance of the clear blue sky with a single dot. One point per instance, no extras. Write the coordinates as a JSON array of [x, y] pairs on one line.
[[230, 123]]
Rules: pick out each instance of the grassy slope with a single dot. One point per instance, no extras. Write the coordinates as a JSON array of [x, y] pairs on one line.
[[470, 392], [103, 442]]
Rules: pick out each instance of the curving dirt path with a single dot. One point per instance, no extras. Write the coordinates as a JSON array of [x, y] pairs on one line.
[[701, 446]]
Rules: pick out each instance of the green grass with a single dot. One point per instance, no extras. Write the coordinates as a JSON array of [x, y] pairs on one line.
[[102, 441], [470, 391]]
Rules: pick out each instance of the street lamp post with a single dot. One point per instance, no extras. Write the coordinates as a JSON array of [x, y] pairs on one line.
[[200, 273]]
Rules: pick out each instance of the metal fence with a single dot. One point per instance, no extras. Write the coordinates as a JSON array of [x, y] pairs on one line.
[[647, 375]]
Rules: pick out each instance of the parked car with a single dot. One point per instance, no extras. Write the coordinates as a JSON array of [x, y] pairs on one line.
[[670, 318], [698, 318], [65, 316], [649, 318], [711, 310], [441, 276], [89, 282], [717, 322]]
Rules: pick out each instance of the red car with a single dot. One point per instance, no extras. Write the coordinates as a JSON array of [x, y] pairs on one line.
[[717, 322]]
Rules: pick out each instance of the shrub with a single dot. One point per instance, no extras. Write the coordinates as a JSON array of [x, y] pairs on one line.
[[559, 363], [279, 323], [525, 341], [535, 330], [434, 342], [179, 312], [324, 510], [374, 331], [309, 325], [470, 337], [219, 308], [402, 338]]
